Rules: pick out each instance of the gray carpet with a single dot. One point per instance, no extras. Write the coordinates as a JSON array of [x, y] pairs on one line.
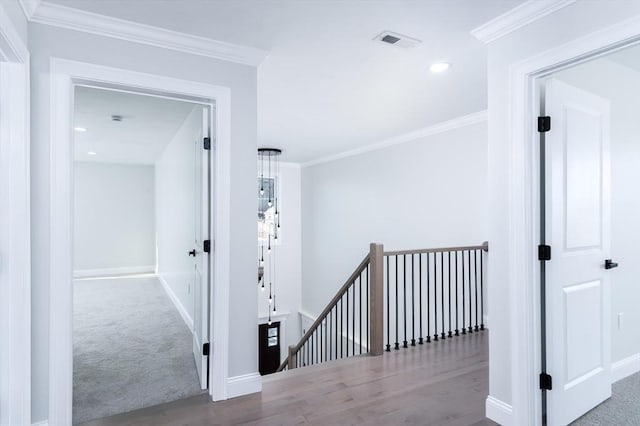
[[131, 348], [622, 409]]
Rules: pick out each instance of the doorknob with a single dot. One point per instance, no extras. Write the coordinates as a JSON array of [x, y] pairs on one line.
[[609, 264], [192, 253]]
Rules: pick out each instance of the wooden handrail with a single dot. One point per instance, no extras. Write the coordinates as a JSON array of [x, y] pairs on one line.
[[375, 321], [295, 348], [361, 267], [484, 246]]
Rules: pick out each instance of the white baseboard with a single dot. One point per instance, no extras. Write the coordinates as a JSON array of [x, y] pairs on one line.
[[498, 411], [179, 306], [485, 321], [108, 272], [42, 423], [244, 385], [625, 367]]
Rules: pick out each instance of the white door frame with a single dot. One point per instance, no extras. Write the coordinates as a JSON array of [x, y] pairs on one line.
[[524, 204], [15, 238], [64, 76]]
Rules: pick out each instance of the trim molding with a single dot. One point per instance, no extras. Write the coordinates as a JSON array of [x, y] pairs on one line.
[[625, 367], [516, 18], [79, 20], [524, 303], [445, 126], [15, 228], [29, 7], [64, 74], [244, 385], [42, 423], [307, 316], [12, 47], [110, 272], [498, 411], [176, 302]]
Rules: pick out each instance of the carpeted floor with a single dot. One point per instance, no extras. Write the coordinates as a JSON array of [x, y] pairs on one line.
[[131, 348], [622, 409]]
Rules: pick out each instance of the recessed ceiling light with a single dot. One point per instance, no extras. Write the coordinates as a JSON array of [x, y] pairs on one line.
[[92, 153], [440, 67], [80, 129]]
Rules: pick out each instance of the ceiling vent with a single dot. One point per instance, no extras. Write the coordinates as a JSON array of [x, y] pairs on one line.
[[395, 39]]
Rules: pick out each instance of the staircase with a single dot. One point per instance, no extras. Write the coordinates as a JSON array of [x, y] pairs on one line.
[[395, 300]]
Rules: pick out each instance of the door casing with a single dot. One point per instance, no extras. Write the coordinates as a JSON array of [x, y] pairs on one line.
[[65, 75], [524, 205], [15, 227]]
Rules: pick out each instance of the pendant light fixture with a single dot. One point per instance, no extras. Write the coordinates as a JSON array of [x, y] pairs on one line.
[[269, 221]]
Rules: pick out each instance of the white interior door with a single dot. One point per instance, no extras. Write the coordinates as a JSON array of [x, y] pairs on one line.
[[201, 260], [578, 229]]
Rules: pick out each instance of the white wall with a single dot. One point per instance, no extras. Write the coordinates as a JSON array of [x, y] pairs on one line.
[[47, 42], [567, 24], [175, 219], [288, 258], [621, 85], [426, 193], [113, 218]]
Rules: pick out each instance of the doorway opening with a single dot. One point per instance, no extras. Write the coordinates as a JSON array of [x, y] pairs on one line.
[[141, 258], [589, 204]]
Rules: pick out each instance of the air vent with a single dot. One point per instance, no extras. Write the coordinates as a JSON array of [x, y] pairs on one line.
[[395, 39]]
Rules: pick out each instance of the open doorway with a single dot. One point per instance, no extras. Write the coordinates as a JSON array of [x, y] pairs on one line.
[[141, 251], [589, 209]]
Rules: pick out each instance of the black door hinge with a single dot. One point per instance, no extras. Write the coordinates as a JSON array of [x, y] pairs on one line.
[[207, 143], [546, 381], [544, 252], [544, 124], [206, 246], [205, 349]]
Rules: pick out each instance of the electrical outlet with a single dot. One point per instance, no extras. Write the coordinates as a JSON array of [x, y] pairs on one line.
[[620, 320]]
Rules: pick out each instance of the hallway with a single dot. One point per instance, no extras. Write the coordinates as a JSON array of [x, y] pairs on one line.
[[131, 347], [441, 383]]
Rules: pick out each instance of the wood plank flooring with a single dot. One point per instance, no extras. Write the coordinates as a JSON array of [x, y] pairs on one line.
[[442, 383]]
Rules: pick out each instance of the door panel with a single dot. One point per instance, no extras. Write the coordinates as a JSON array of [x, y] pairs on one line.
[[583, 178], [578, 229], [201, 262]]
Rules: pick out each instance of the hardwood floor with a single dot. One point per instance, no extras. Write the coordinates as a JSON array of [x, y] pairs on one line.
[[440, 383]]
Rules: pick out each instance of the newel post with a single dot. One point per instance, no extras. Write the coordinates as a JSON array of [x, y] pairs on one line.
[[376, 299], [293, 357]]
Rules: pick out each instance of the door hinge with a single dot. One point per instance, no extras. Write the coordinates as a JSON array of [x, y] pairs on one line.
[[207, 143], [544, 252], [205, 349], [544, 124], [546, 381], [206, 246]]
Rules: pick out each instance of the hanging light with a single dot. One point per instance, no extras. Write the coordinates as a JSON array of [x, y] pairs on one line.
[[269, 215]]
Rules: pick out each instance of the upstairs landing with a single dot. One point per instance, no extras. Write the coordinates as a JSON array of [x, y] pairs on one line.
[[440, 383]]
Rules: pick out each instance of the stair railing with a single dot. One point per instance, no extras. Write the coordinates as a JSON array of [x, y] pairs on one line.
[[415, 293], [433, 294], [352, 322]]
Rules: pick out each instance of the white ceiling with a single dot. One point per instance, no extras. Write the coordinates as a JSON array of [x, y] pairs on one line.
[[326, 87], [148, 125]]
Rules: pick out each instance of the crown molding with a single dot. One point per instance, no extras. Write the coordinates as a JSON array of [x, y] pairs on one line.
[[12, 47], [516, 18], [46, 13], [445, 126], [29, 7]]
